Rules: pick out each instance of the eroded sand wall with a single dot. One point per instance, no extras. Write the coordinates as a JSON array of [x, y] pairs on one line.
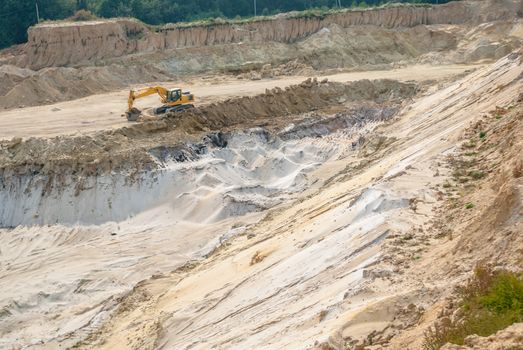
[[60, 44]]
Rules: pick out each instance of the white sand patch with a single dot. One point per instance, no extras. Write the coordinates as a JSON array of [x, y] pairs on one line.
[[254, 172], [116, 232]]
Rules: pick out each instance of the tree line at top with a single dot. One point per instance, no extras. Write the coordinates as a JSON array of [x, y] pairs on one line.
[[17, 15]]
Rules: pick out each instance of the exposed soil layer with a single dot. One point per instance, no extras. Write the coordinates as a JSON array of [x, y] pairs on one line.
[[128, 148], [103, 55], [61, 44]]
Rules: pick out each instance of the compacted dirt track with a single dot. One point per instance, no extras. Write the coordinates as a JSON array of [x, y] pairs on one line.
[[105, 111]]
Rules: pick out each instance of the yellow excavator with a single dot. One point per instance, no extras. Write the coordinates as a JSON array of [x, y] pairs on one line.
[[174, 100]]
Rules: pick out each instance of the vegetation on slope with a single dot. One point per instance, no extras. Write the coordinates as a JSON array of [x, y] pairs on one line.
[[491, 301], [483, 193]]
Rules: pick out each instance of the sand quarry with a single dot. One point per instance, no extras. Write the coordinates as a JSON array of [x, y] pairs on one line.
[[311, 200]]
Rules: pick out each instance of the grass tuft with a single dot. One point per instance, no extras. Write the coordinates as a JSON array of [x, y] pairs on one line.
[[469, 144], [476, 174]]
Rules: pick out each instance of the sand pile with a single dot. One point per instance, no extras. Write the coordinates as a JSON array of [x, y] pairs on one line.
[[485, 41], [293, 67], [307, 96], [372, 46], [24, 87], [10, 76]]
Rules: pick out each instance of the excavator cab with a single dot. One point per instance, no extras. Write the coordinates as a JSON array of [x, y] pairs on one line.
[[174, 95]]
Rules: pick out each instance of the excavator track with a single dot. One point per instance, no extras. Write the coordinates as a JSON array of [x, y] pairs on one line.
[[180, 108]]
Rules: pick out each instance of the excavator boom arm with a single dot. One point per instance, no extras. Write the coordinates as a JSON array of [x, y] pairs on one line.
[[133, 95]]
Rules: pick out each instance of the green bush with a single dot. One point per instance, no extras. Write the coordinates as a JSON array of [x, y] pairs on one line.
[[476, 174], [82, 15], [505, 296], [491, 301]]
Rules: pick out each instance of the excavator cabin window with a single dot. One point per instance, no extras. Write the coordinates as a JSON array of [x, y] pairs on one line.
[[174, 95]]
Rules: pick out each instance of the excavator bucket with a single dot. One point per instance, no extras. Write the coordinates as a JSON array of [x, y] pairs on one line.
[[133, 114]]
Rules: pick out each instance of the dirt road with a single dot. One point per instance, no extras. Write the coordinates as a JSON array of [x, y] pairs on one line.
[[105, 111]]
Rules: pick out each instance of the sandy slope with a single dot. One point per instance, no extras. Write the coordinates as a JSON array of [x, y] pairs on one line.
[[322, 230], [196, 204], [105, 111], [298, 275], [308, 274]]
